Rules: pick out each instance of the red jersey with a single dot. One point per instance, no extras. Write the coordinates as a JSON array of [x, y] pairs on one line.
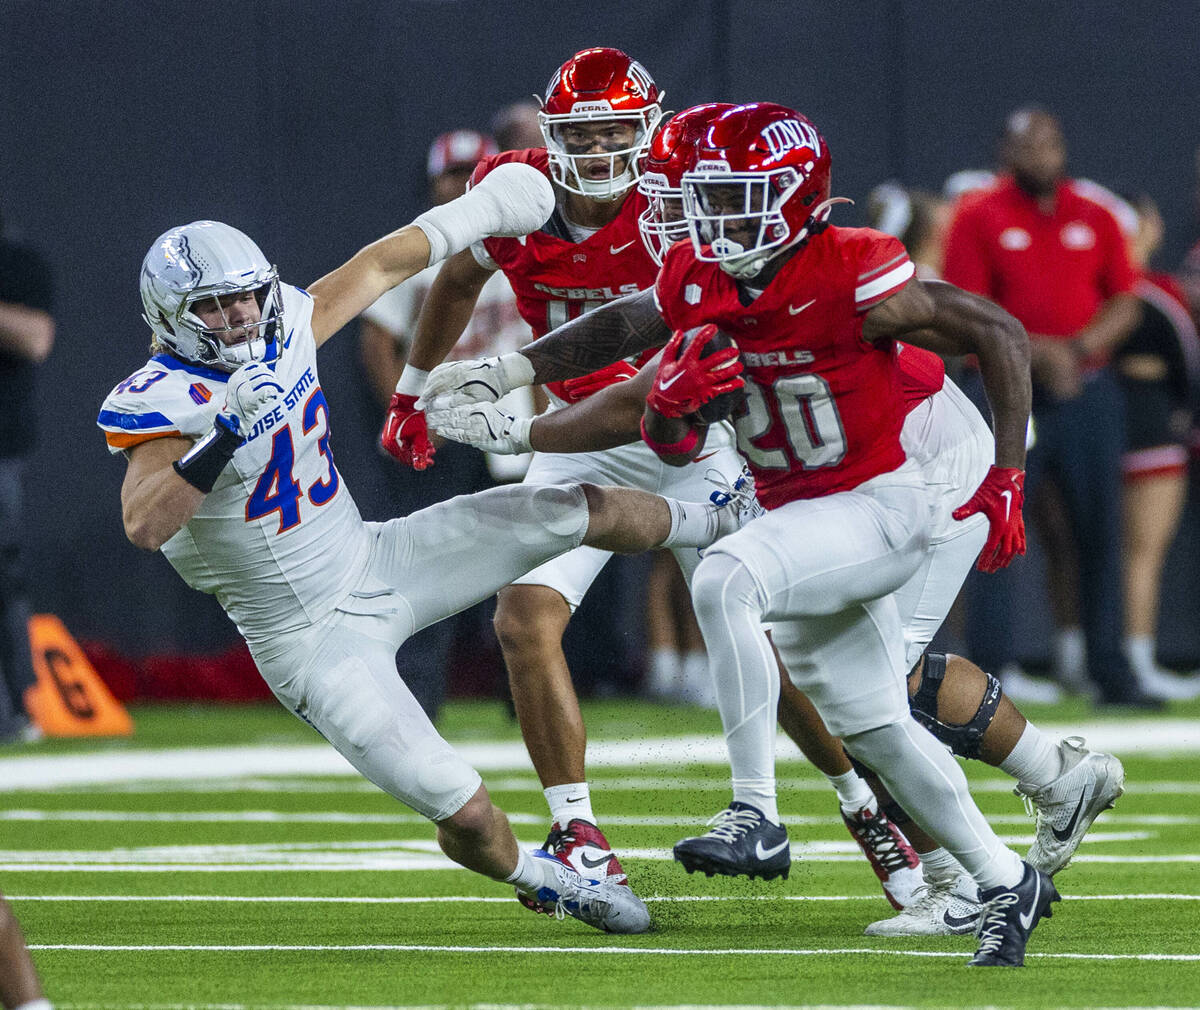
[[922, 373], [556, 279], [825, 406], [1052, 271]]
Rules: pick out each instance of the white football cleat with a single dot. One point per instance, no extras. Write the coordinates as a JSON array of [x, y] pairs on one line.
[[947, 907], [1090, 782], [609, 905], [736, 503]]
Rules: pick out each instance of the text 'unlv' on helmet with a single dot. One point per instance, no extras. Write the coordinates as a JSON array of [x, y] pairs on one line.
[[672, 152], [599, 86], [210, 260], [760, 185]]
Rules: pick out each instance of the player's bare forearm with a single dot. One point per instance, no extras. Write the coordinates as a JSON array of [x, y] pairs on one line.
[[950, 321], [343, 293], [1116, 319], [155, 501], [602, 421], [447, 310], [619, 329]]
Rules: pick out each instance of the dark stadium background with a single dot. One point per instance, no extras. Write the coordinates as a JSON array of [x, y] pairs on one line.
[[305, 125]]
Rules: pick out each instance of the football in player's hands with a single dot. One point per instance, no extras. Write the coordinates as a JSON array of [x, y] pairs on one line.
[[723, 405]]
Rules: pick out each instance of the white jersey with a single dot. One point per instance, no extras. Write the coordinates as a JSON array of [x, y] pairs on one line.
[[278, 540]]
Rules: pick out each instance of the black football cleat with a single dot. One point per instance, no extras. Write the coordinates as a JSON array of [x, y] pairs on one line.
[[741, 842], [1009, 915]]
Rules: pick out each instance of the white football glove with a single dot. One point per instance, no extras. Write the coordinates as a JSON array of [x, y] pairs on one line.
[[485, 426], [252, 393], [513, 199], [482, 380]]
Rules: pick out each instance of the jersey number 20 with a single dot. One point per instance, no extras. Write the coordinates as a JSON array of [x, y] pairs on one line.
[[810, 419]]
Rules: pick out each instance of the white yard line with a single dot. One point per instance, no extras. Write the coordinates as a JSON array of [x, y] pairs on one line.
[[270, 899], [116, 948], [1159, 736]]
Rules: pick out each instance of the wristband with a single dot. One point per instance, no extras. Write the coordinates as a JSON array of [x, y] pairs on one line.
[[412, 381], [680, 448], [202, 464]]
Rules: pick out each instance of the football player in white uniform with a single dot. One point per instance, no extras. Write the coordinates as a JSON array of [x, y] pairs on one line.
[[226, 434]]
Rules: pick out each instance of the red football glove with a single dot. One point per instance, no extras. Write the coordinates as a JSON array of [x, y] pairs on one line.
[[1000, 498], [574, 390], [404, 435], [684, 380]]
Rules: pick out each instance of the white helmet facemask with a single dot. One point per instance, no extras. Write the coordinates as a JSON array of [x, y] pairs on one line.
[[209, 260], [662, 223], [566, 168]]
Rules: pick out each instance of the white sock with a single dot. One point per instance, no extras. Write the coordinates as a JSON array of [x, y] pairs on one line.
[[693, 524], [568, 802], [666, 673], [939, 865], [1070, 654], [698, 686], [1140, 650], [1035, 760], [36, 1004], [853, 793], [532, 874]]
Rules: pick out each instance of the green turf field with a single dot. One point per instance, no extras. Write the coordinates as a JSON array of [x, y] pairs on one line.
[[221, 859]]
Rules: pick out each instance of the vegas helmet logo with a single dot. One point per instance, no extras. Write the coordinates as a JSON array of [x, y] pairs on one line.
[[790, 134]]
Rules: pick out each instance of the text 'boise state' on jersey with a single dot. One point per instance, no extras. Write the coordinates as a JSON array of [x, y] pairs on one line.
[[556, 279], [825, 406], [278, 540]]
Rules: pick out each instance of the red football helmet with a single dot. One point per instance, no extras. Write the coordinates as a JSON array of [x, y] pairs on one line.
[[671, 153], [760, 184], [599, 86]]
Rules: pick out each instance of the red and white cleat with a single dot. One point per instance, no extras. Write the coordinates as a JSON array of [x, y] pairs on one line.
[[893, 859], [583, 847]]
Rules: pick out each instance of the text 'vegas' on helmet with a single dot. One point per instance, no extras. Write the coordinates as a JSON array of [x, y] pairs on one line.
[[208, 260], [599, 87]]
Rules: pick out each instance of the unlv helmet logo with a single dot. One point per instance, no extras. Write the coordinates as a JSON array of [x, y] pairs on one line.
[[788, 135]]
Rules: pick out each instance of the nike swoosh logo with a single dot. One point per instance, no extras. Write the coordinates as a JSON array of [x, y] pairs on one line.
[[1027, 921], [1065, 833], [706, 455], [668, 383], [614, 249], [576, 799], [768, 853], [957, 921], [793, 311], [1007, 496], [591, 864]]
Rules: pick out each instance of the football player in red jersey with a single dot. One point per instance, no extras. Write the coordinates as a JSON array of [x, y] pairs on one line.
[[600, 111], [815, 311]]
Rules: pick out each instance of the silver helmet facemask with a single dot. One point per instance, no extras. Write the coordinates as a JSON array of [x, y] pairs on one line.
[[209, 260]]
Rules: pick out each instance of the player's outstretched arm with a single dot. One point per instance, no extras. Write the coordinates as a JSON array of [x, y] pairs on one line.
[[949, 321], [619, 329], [513, 199]]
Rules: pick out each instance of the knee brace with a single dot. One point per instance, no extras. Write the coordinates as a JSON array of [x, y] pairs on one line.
[[962, 740]]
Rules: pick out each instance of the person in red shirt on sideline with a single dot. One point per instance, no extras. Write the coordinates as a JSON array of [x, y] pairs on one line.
[[1056, 259]]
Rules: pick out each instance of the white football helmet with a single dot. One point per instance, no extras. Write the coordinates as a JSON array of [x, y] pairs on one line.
[[207, 259]]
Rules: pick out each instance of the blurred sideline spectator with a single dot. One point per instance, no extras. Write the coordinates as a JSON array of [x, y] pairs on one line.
[[26, 337], [515, 127], [677, 662], [917, 218], [385, 332], [1158, 368], [20, 988], [1056, 259]]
